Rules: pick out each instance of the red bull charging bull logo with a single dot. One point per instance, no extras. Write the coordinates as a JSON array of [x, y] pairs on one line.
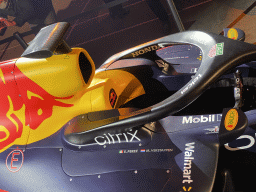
[[17, 92]]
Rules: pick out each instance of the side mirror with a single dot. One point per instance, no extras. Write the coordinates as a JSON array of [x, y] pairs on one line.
[[48, 40]]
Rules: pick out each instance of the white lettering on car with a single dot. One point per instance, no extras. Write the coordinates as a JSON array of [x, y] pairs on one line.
[[191, 84], [188, 157], [201, 119], [116, 138]]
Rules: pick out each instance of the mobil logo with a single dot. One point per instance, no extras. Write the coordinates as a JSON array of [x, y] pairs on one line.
[[201, 119], [19, 93]]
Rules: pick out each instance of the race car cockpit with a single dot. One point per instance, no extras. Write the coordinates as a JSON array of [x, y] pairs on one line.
[[210, 56], [128, 119]]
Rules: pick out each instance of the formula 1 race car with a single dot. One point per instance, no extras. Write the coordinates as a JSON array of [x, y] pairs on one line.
[[152, 118]]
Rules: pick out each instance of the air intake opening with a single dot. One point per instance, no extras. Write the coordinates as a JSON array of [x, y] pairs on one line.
[[85, 67]]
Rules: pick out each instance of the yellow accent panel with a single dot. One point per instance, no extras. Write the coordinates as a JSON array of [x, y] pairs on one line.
[[40, 112], [3, 129], [31, 94], [100, 96], [60, 116], [2, 76], [126, 85], [98, 77], [59, 75], [93, 98]]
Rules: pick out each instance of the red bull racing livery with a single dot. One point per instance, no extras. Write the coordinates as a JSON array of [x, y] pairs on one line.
[[24, 105], [161, 116]]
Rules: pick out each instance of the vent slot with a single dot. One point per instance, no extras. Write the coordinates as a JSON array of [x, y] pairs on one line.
[[85, 67]]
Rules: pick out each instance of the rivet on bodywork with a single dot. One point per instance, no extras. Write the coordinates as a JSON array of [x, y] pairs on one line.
[[135, 171], [98, 176]]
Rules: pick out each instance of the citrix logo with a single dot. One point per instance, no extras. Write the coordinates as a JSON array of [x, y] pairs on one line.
[[117, 138]]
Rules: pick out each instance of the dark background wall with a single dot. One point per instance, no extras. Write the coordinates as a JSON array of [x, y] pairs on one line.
[[103, 36]]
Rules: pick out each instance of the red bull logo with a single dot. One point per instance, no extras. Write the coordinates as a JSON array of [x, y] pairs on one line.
[[17, 92]]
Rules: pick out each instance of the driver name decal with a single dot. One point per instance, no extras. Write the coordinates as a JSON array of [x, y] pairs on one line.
[[216, 50], [146, 151]]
